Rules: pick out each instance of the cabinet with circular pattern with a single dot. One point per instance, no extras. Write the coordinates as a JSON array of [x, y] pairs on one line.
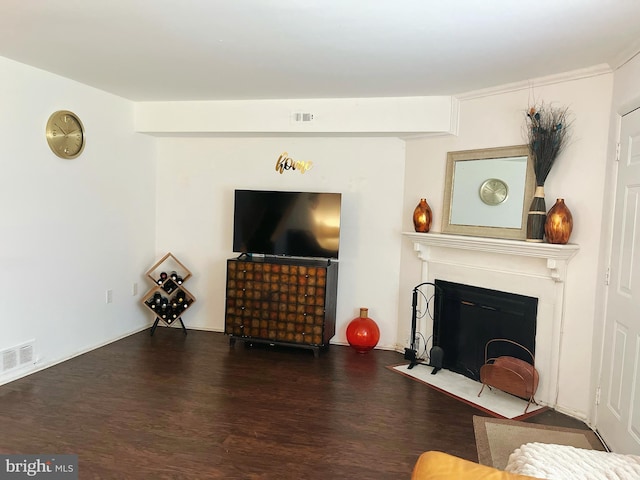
[[281, 301]]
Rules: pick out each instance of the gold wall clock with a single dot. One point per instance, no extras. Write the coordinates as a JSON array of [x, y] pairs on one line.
[[65, 134], [493, 191]]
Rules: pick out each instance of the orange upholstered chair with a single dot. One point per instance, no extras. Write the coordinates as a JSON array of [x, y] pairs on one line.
[[434, 465]]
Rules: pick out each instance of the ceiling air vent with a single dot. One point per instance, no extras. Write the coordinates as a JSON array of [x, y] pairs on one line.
[[303, 117]]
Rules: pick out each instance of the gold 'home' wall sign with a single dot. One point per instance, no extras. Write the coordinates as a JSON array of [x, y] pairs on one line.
[[285, 162]]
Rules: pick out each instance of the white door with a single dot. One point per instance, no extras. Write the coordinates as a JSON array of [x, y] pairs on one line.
[[619, 408]]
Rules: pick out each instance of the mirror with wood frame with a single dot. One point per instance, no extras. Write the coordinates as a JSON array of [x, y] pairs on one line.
[[488, 191]]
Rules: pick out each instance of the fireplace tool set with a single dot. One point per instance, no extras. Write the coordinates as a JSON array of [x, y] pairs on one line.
[[436, 354]]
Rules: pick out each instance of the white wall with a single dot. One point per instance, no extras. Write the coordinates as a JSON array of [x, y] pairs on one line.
[[196, 181], [578, 176], [71, 229]]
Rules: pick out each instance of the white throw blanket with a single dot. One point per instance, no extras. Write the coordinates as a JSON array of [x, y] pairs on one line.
[[561, 462]]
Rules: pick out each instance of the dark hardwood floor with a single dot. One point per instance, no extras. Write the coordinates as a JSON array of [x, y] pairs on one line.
[[176, 406]]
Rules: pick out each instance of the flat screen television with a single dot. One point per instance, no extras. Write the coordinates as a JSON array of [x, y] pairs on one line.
[[296, 224]]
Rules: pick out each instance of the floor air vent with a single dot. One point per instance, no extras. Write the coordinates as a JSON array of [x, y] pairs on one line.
[[26, 354], [16, 357], [9, 360]]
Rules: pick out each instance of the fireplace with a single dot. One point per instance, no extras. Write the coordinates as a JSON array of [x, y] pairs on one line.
[[471, 316], [536, 270]]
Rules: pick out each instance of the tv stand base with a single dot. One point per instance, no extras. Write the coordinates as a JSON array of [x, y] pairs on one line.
[[248, 342]]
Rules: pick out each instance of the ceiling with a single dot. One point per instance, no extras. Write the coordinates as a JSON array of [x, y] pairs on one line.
[[259, 49]]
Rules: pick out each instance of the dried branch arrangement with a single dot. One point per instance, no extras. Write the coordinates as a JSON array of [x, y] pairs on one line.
[[548, 131]]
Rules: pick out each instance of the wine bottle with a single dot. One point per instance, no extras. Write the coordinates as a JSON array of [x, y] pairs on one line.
[[179, 280], [163, 277], [169, 286], [174, 276], [157, 300]]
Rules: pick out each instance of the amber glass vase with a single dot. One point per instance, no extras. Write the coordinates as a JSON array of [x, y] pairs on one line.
[[559, 223], [422, 216]]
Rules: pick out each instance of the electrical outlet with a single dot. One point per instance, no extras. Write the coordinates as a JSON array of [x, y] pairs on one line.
[[109, 296]]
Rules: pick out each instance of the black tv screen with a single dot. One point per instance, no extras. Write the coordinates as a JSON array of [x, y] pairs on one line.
[[297, 224]]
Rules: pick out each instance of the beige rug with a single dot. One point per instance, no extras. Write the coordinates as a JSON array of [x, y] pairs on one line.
[[496, 438]]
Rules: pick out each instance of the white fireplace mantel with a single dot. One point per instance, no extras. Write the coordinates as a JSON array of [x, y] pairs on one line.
[[556, 256], [534, 269]]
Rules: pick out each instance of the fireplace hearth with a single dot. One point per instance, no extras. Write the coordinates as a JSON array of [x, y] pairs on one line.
[[471, 316], [536, 270]]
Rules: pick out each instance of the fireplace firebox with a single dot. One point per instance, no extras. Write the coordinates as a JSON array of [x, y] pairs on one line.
[[471, 316]]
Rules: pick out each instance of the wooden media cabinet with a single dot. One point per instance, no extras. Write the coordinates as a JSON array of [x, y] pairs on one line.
[[281, 301]]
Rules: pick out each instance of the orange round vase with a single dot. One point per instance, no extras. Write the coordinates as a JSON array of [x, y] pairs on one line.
[[422, 216], [363, 333], [559, 223]]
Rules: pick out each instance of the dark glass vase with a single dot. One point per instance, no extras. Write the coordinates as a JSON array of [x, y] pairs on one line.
[[537, 216]]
